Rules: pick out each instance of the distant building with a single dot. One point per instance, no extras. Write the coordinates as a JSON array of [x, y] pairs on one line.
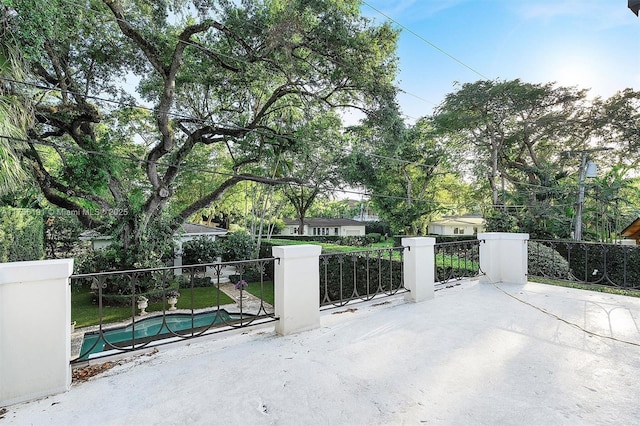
[[457, 225], [324, 226]]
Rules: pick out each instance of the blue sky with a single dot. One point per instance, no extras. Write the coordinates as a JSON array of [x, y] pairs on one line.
[[592, 44]]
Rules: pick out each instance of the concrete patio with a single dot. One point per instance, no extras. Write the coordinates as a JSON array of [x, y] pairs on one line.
[[476, 354]]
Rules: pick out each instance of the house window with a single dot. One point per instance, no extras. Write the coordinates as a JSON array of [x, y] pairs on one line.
[[295, 230], [461, 231], [335, 231], [475, 230], [455, 231]]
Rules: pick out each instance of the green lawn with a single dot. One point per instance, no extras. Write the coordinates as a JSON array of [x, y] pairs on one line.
[[267, 295]]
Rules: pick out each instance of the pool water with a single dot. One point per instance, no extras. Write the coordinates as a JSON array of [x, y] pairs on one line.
[[152, 328]]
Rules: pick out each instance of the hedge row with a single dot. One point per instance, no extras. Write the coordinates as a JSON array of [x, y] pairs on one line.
[[397, 239], [346, 276], [344, 240], [21, 234], [606, 264]]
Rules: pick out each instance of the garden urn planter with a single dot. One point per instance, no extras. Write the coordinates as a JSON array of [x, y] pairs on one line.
[[142, 305], [172, 302]]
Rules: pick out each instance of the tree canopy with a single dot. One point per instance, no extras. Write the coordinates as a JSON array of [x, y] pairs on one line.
[[130, 97]]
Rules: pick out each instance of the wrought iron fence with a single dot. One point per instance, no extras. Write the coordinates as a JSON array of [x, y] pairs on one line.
[[589, 263], [457, 260], [360, 275], [140, 308]]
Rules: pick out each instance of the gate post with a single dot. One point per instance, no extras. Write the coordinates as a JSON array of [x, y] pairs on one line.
[[297, 288], [35, 329], [419, 268], [503, 257]]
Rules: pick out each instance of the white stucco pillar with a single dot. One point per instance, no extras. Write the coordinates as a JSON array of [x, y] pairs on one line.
[[35, 329], [503, 257], [297, 288], [419, 268]]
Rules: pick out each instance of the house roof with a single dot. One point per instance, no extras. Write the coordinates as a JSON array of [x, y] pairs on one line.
[[325, 222], [459, 220], [197, 229], [633, 230]]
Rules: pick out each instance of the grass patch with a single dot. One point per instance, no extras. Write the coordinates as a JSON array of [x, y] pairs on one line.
[[582, 286], [85, 313], [267, 291]]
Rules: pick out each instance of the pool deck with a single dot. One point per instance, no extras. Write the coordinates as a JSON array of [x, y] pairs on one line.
[[478, 354]]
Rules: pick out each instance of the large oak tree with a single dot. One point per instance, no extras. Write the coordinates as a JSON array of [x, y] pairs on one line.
[[217, 79]]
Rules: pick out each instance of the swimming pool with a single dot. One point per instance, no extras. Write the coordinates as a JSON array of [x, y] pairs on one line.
[[149, 329]]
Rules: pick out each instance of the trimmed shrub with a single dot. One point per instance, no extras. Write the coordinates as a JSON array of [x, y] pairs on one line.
[[374, 227], [21, 234], [237, 246], [606, 264], [201, 250], [545, 261], [374, 237]]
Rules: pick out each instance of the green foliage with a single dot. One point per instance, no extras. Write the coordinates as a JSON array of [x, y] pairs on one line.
[[377, 227], [398, 164], [21, 234], [201, 250], [374, 237], [500, 221], [343, 240], [589, 262], [61, 235], [254, 89], [544, 261], [237, 246]]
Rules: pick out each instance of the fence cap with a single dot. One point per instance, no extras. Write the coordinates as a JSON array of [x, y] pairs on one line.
[[418, 241], [502, 236], [37, 270], [297, 251]]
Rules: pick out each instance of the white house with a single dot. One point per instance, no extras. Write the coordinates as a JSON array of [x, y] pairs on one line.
[[457, 225], [324, 226]]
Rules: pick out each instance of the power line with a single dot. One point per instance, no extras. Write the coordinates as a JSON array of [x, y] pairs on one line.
[[427, 41]]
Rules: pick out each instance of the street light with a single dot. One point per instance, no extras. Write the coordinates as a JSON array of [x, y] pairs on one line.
[[634, 5]]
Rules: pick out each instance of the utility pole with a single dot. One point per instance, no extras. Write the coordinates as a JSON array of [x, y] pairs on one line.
[[577, 233]]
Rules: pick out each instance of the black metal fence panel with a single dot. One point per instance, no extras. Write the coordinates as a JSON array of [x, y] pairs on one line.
[[589, 263], [360, 275], [457, 260], [173, 303]]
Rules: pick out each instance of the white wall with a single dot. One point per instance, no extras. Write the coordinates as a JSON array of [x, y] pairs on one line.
[[503, 257], [297, 288], [35, 329]]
